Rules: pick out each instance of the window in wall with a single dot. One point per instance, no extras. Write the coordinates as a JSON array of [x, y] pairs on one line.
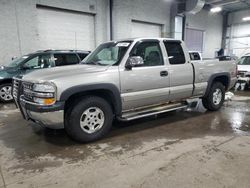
[[194, 39]]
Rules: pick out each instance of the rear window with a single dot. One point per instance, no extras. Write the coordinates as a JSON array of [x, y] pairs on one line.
[[175, 52]]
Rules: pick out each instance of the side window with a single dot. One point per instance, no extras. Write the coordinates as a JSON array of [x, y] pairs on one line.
[[175, 53], [39, 62], [150, 53], [71, 59], [59, 59], [65, 59], [82, 55]]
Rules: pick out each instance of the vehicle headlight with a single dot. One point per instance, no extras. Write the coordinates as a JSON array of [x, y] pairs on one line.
[[1, 78], [44, 93], [46, 87], [40, 93]]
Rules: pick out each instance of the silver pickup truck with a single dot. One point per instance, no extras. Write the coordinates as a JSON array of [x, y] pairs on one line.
[[125, 80]]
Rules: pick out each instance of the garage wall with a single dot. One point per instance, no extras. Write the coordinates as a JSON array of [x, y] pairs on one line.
[[212, 25], [238, 34], [151, 12], [19, 23]]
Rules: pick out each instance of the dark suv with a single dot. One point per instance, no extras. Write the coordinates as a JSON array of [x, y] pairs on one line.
[[35, 61]]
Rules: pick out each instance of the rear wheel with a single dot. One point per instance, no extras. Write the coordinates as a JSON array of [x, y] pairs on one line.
[[5, 93], [215, 98], [89, 120]]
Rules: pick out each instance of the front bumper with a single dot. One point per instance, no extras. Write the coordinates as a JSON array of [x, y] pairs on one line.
[[47, 116]]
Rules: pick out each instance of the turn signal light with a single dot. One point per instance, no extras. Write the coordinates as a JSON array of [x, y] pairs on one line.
[[44, 101], [49, 101]]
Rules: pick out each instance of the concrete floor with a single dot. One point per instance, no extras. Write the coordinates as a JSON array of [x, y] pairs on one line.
[[178, 149]]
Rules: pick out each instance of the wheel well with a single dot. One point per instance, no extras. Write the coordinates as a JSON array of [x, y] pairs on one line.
[[105, 94], [222, 79], [6, 81]]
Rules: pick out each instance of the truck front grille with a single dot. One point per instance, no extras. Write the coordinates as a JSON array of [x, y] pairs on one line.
[[27, 91]]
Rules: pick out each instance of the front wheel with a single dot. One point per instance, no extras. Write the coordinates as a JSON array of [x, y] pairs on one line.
[[5, 93], [215, 98], [89, 119]]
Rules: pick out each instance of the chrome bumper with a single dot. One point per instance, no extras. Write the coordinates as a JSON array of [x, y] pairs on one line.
[[52, 118]]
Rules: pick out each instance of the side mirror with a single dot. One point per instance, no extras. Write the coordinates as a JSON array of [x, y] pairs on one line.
[[134, 61]]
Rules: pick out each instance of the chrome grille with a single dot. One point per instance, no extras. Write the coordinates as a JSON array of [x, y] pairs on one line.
[[27, 91]]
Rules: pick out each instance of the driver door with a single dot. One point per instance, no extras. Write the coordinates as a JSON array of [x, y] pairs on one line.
[[149, 83]]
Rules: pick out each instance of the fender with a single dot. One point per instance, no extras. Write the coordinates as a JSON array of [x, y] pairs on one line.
[[116, 96], [214, 76]]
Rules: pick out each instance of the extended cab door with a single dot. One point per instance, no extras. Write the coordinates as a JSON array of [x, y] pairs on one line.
[[180, 70], [147, 84]]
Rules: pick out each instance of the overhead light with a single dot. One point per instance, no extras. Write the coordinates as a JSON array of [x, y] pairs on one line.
[[216, 9], [246, 18]]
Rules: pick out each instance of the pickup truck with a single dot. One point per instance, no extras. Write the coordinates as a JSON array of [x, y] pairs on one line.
[[123, 80]]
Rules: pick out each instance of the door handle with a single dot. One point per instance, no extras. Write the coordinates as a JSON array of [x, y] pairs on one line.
[[164, 73]]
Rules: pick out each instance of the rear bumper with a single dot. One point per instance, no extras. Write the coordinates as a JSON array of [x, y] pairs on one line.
[[47, 116]]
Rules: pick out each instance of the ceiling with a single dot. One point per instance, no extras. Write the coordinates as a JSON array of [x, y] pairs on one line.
[[230, 5]]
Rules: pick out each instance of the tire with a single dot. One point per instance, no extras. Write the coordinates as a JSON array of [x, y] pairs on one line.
[[214, 103], [5, 93], [88, 120]]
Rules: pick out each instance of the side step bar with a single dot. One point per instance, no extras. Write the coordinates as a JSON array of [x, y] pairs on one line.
[[136, 114]]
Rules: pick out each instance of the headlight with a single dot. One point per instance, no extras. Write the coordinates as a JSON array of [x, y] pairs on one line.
[[1, 78], [46, 87], [41, 93]]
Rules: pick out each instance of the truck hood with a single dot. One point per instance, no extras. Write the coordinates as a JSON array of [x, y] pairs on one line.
[[244, 68], [55, 73]]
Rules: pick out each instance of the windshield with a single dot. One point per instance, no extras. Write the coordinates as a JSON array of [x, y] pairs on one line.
[[16, 61], [107, 54], [244, 60]]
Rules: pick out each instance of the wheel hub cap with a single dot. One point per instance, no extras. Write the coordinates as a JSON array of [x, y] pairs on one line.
[[92, 120], [5, 93], [217, 96]]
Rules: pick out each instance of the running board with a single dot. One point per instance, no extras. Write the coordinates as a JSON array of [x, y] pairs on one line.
[[137, 114]]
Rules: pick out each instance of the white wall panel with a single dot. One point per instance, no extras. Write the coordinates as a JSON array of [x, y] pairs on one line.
[[141, 29]]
